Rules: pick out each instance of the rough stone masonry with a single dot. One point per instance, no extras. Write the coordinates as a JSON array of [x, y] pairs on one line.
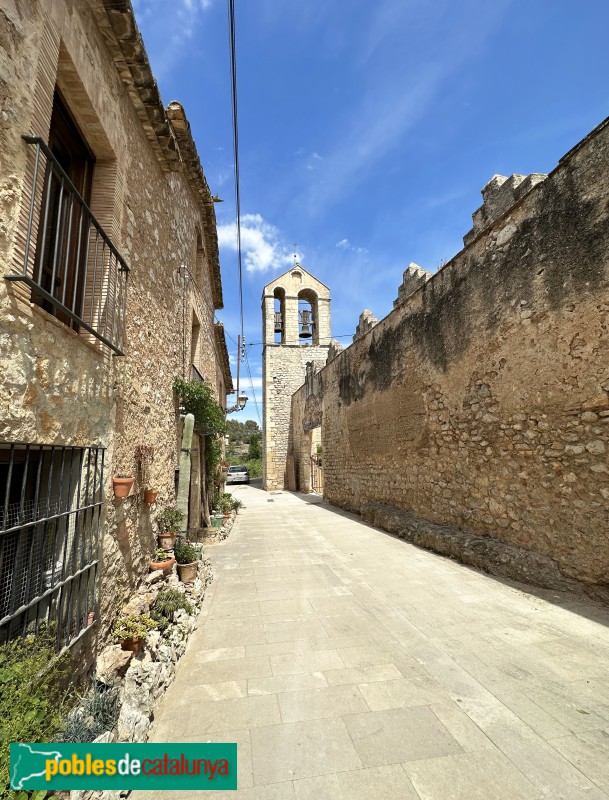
[[481, 402]]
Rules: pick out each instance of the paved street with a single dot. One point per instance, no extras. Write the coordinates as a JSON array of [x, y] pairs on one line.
[[348, 664]]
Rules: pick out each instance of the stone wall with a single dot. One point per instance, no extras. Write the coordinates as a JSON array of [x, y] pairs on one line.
[[482, 401], [57, 386]]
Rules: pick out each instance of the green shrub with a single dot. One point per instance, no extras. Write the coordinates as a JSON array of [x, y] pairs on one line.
[[33, 697], [169, 601], [254, 468], [96, 713], [165, 606], [184, 552]]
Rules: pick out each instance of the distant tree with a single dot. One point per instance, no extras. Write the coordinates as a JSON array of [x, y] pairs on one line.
[[241, 433], [255, 451]]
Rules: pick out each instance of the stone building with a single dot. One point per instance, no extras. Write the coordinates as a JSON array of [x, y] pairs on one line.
[[111, 279], [474, 418], [296, 332]]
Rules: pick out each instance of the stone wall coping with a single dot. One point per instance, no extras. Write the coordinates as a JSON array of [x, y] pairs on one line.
[[220, 339], [168, 130]]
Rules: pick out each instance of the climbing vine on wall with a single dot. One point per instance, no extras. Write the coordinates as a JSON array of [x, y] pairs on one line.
[[210, 419], [198, 399]]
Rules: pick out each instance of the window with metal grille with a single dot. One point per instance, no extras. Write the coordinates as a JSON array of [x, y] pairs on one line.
[[51, 499], [72, 267]]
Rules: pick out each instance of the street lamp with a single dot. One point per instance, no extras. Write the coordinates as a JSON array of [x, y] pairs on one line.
[[240, 405]]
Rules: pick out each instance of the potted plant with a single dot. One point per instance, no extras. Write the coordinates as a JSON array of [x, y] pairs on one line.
[[217, 519], [131, 630], [121, 484], [162, 561], [187, 558], [150, 496], [144, 455], [169, 526], [225, 504], [237, 504]]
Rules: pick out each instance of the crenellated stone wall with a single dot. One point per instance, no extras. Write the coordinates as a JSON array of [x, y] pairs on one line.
[[481, 403]]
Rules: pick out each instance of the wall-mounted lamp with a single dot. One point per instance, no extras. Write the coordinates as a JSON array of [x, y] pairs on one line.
[[241, 401]]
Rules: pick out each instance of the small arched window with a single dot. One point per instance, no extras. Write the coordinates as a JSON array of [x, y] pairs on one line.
[[279, 315]]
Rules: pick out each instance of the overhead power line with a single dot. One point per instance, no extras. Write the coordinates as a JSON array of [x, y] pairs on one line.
[[233, 76], [249, 372]]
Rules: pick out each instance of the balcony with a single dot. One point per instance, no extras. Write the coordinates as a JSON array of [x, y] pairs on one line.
[[72, 267]]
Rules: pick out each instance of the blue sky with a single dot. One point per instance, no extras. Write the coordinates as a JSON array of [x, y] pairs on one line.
[[367, 129]]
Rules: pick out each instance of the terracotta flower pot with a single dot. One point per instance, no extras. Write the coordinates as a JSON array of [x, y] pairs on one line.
[[150, 496], [188, 572], [167, 540], [122, 486], [164, 565], [134, 645]]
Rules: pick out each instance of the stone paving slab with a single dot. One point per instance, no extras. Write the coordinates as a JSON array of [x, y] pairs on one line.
[[349, 665]]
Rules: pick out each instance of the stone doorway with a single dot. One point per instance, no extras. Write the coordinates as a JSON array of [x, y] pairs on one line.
[[316, 461]]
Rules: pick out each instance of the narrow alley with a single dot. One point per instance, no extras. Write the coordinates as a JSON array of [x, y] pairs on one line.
[[348, 664]]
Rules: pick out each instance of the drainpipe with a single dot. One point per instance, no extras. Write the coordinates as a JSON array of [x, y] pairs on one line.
[[184, 482]]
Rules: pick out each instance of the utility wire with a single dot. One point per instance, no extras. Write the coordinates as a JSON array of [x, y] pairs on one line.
[[233, 74], [249, 372], [338, 336]]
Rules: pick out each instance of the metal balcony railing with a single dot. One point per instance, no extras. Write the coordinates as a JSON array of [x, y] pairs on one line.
[[70, 263]]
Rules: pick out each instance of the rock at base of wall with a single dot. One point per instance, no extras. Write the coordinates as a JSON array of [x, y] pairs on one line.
[[112, 664], [133, 725], [485, 553]]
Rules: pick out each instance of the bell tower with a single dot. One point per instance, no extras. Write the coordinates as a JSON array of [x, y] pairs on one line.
[[296, 330]]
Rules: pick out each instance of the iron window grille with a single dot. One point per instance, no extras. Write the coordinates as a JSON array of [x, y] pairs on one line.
[[51, 501], [70, 262]]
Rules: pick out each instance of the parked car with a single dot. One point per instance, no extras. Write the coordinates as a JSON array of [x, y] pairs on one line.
[[238, 474]]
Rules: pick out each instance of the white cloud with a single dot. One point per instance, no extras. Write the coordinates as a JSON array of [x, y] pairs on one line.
[[246, 386], [345, 244], [313, 160], [260, 245], [392, 102]]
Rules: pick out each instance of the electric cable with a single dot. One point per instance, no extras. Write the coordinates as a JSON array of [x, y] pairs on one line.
[[249, 372], [233, 73]]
